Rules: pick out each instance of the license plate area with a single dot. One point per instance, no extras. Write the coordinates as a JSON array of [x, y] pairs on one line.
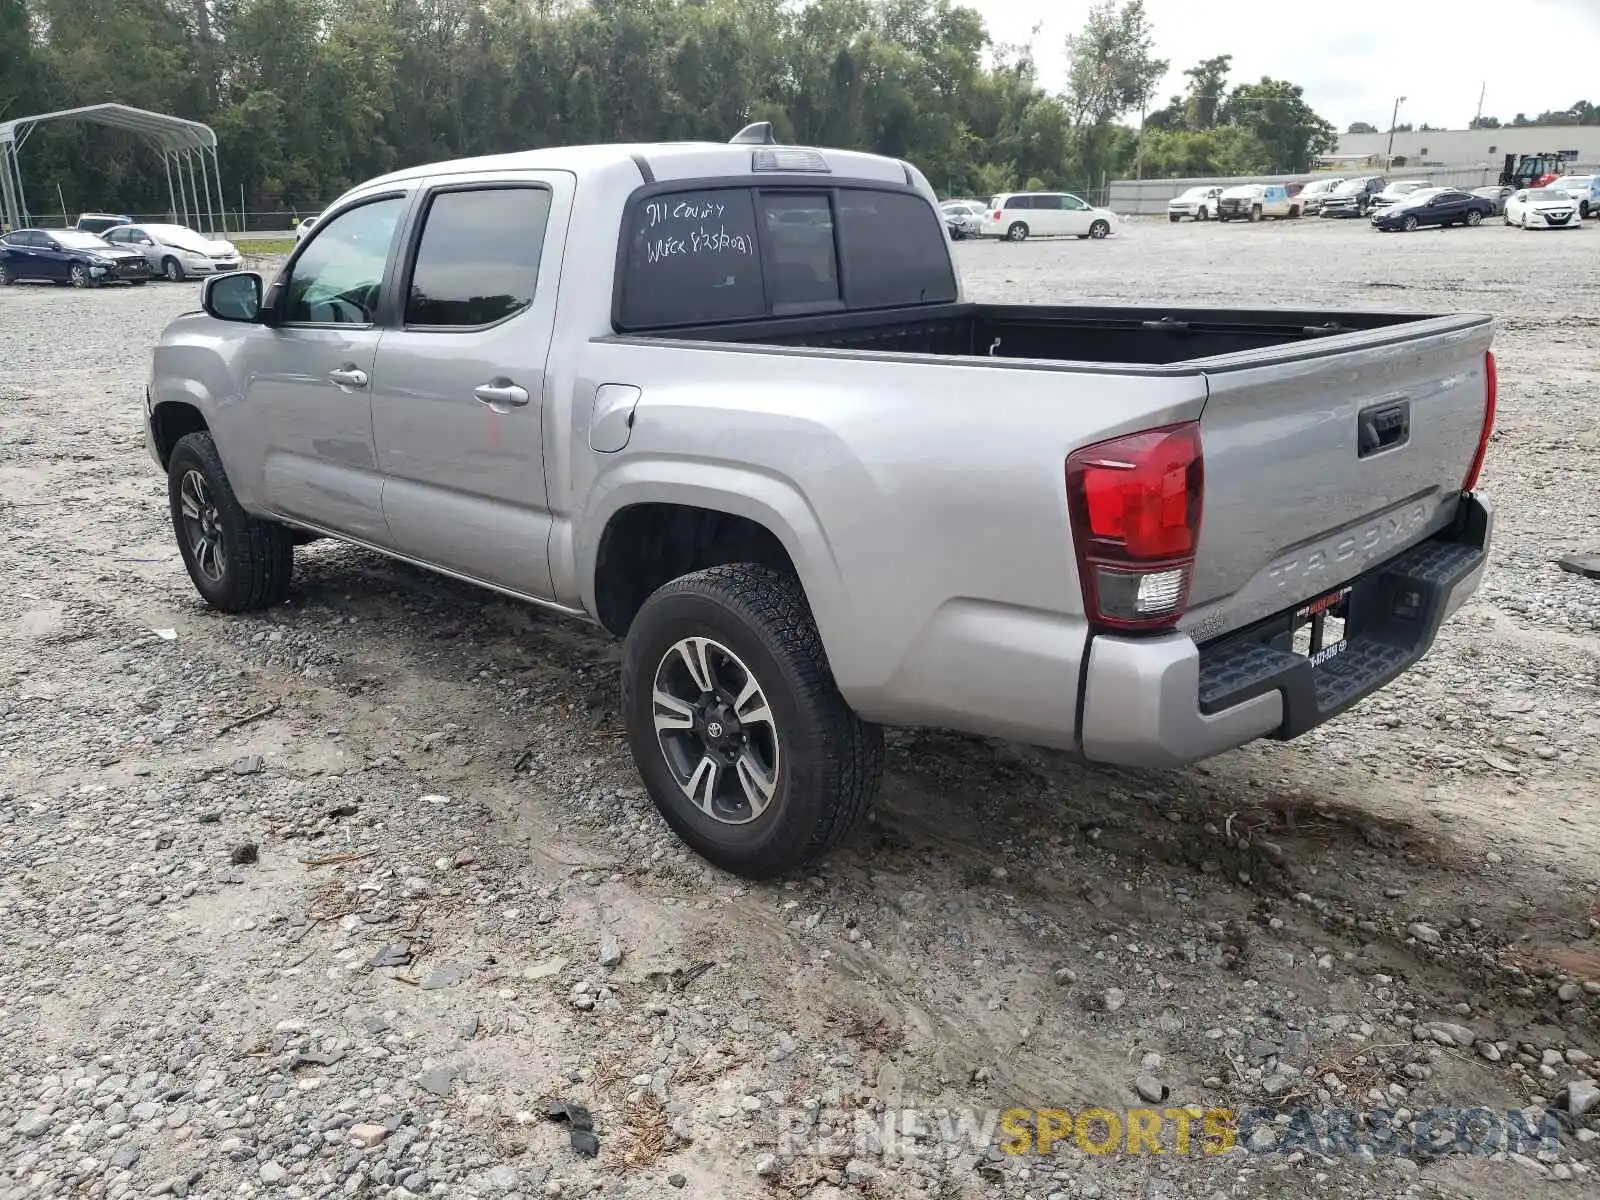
[[1317, 629]]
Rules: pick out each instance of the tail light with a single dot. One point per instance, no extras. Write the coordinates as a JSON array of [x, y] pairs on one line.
[[1134, 503], [996, 215], [1491, 375]]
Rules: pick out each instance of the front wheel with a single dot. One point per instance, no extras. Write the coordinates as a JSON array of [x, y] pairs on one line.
[[1409, 224], [737, 728], [1017, 233], [236, 562], [5, 275], [1205, 214], [1255, 213], [1294, 213], [172, 269], [1100, 229], [1474, 218], [1174, 217], [79, 276]]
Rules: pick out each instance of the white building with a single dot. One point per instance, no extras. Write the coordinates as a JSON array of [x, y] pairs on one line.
[[1477, 147]]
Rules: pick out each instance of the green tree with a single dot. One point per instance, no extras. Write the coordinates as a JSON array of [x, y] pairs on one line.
[[1275, 111], [1362, 127], [1111, 71]]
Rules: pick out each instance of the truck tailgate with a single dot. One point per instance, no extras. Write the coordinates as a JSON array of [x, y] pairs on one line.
[[1323, 459]]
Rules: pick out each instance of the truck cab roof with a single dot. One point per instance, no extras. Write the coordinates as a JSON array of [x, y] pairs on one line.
[[672, 161]]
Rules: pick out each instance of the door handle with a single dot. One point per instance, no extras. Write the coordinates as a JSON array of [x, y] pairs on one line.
[[501, 391], [349, 377]]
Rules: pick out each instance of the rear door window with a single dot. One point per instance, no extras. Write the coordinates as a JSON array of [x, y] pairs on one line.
[[478, 261], [692, 258], [894, 248]]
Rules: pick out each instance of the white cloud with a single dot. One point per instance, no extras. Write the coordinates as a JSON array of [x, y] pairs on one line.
[[1351, 63]]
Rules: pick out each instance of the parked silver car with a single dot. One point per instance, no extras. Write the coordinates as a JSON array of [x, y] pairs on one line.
[[176, 251]]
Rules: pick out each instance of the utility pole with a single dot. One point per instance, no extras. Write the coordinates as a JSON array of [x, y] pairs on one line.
[[1388, 163], [1482, 92]]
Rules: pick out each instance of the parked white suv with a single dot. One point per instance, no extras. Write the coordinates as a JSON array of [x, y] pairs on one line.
[[1198, 204], [1017, 216], [1585, 189]]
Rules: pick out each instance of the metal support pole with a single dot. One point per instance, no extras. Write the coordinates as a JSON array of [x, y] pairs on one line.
[[216, 172], [205, 186], [172, 197], [188, 162], [10, 211]]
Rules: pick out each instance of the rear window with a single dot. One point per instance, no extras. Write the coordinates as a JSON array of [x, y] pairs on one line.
[[726, 254]]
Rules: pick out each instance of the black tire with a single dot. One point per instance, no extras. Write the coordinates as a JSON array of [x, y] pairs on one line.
[[1474, 219], [257, 557], [1294, 212], [172, 270], [1018, 232], [1409, 224], [1205, 213], [5, 276], [1174, 217], [827, 762], [1255, 212], [1099, 230], [1583, 210], [138, 282], [78, 277]]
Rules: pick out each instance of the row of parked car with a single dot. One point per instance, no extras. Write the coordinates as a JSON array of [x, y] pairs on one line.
[[1398, 204], [111, 248]]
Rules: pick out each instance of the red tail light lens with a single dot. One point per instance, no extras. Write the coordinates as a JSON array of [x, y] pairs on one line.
[[1134, 503], [996, 215], [1491, 375]]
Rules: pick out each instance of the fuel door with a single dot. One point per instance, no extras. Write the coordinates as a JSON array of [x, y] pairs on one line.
[[611, 423]]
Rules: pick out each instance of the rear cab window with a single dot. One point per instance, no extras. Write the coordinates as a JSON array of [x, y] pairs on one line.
[[708, 255]]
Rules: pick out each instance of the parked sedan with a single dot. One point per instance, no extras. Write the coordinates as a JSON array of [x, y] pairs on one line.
[[67, 256], [1496, 195], [1397, 192], [175, 251], [1542, 208], [1441, 207], [964, 218]]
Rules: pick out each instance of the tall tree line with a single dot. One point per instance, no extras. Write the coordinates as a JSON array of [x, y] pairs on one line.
[[311, 96]]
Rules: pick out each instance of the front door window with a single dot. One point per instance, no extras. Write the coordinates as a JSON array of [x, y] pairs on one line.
[[338, 278]]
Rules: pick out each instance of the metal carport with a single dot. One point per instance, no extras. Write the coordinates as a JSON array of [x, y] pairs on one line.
[[183, 145]]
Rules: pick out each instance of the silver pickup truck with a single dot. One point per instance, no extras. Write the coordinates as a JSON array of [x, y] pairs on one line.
[[729, 402]]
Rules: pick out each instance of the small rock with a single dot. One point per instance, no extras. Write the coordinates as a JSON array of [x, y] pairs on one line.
[[442, 977], [366, 1136], [610, 952], [1426, 934], [1489, 1051], [1569, 991], [32, 1124], [502, 1178], [272, 1174], [1582, 1097], [250, 764], [1447, 1033], [1114, 999], [1150, 1089], [676, 1180], [768, 1167], [549, 969], [1066, 976], [397, 955], [244, 854], [438, 1081]]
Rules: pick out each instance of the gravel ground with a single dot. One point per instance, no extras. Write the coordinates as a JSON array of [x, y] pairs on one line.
[[335, 900]]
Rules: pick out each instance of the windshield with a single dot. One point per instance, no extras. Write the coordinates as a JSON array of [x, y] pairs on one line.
[[176, 235], [1403, 189], [1547, 194], [1579, 183], [79, 240], [1350, 187]]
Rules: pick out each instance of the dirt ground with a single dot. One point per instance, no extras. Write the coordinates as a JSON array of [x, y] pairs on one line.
[[460, 904]]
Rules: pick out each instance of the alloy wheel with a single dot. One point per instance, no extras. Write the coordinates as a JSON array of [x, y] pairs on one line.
[[716, 730], [202, 525], [80, 275]]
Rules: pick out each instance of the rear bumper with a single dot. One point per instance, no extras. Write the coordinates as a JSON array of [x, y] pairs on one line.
[[1166, 701]]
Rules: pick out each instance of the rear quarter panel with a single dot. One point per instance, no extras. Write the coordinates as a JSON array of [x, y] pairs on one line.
[[922, 501]]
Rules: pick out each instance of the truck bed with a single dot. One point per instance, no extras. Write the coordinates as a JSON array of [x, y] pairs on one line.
[[1066, 333]]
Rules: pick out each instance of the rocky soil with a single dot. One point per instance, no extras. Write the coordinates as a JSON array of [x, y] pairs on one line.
[[337, 900]]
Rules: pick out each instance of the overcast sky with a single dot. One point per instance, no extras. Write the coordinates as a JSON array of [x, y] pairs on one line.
[[1353, 59]]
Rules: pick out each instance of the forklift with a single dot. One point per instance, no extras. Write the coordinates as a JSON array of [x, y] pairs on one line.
[[1535, 170]]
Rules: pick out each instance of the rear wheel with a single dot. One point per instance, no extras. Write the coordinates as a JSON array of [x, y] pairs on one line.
[[1099, 230], [5, 275], [1017, 233], [1294, 212], [1409, 224], [1474, 218], [236, 562], [737, 728]]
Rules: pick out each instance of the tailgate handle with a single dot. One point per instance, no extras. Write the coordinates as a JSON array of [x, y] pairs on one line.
[[1383, 427]]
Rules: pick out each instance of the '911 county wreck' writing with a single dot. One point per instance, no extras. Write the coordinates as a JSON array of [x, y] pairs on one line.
[[694, 232]]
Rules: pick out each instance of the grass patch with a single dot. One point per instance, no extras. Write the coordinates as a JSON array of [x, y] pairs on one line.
[[255, 249]]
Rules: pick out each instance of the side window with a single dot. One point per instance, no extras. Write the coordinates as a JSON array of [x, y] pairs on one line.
[[895, 249], [478, 261], [116, 236], [336, 280], [1073, 204], [798, 259], [692, 257], [1023, 202]]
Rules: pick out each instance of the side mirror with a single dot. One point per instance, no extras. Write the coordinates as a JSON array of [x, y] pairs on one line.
[[233, 297]]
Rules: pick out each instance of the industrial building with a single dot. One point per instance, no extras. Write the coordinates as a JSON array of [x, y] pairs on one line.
[[1474, 147]]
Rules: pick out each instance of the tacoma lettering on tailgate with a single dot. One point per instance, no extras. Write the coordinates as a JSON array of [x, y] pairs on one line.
[[1319, 559]]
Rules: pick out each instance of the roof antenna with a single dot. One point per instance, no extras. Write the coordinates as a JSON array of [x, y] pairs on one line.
[[758, 133]]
